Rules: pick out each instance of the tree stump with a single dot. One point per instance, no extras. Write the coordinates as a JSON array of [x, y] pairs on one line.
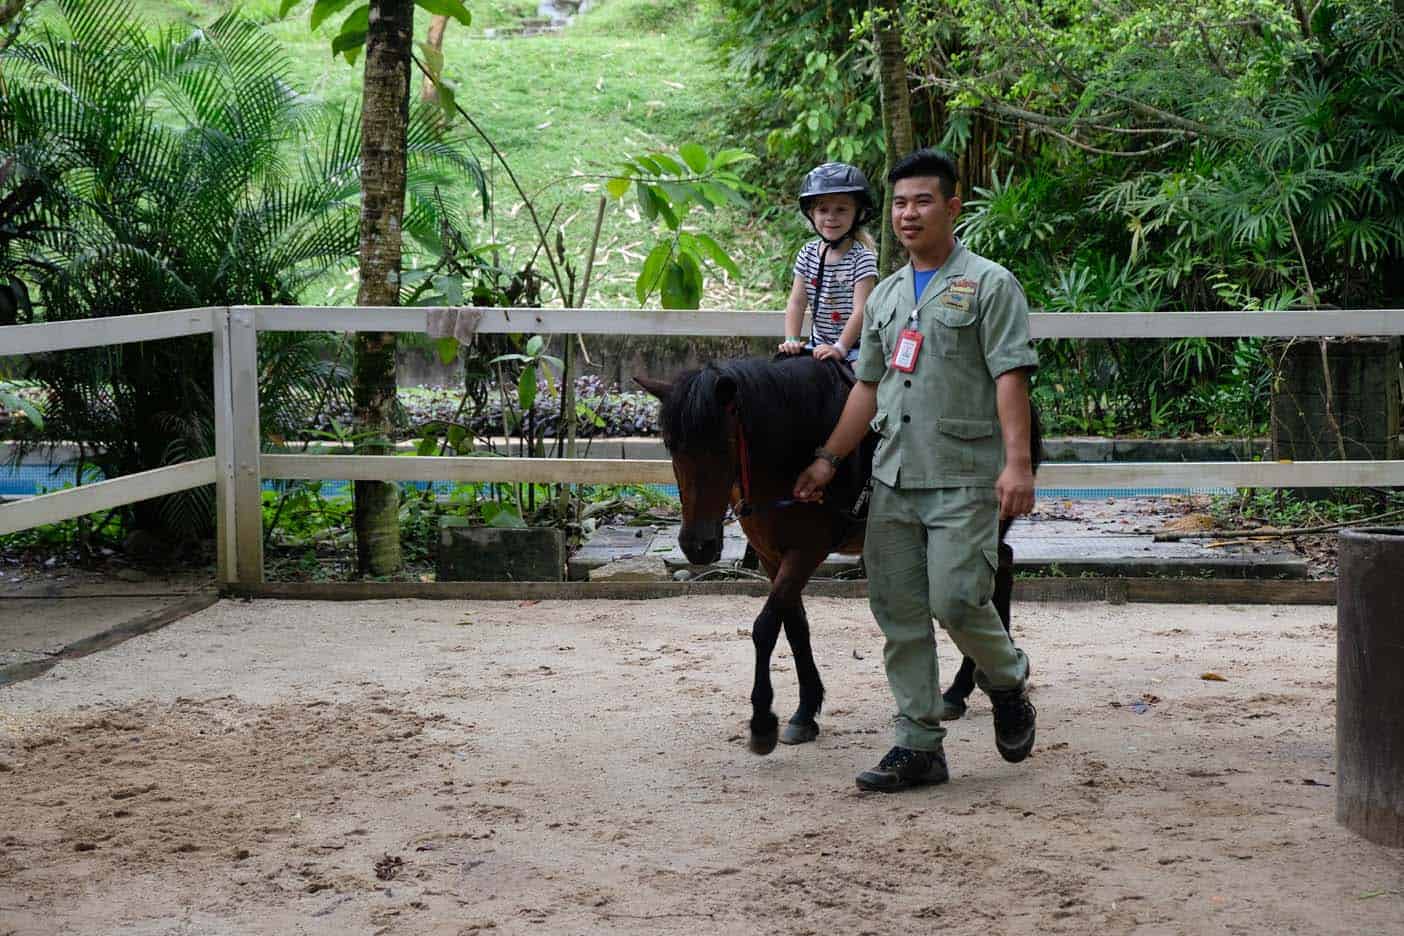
[[469, 553], [1344, 403], [1370, 684]]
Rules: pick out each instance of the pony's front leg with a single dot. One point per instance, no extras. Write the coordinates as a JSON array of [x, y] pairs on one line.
[[765, 727], [803, 725], [787, 587]]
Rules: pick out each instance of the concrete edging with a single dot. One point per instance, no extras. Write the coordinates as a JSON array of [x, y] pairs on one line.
[[1113, 590], [141, 624]]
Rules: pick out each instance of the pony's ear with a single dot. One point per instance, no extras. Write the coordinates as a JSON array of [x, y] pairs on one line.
[[658, 388], [726, 390]]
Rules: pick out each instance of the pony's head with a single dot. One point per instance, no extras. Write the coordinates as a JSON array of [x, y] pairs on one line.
[[699, 420], [778, 409]]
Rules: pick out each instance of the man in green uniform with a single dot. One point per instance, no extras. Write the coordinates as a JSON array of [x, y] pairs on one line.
[[943, 380]]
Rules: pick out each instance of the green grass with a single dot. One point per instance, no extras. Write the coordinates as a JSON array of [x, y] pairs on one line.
[[634, 17], [1285, 509], [627, 77]]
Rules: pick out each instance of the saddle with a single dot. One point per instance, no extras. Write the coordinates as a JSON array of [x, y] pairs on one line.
[[853, 492], [852, 488]]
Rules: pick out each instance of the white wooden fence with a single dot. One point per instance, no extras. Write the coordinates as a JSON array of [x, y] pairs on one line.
[[239, 465]]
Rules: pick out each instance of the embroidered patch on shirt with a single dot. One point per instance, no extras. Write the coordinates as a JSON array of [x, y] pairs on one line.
[[958, 301], [964, 287]]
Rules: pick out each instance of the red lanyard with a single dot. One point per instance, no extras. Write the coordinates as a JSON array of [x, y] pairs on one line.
[[744, 456]]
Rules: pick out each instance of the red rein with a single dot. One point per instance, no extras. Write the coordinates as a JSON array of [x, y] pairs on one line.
[[744, 456]]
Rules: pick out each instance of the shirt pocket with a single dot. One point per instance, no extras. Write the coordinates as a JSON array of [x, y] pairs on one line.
[[954, 328], [882, 324], [966, 428], [971, 455]]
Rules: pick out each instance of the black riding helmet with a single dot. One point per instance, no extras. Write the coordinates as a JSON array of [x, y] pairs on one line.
[[838, 178]]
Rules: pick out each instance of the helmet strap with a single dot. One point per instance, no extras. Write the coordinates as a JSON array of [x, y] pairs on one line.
[[819, 286]]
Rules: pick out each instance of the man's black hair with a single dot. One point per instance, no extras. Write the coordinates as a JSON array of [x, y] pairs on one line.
[[926, 162]]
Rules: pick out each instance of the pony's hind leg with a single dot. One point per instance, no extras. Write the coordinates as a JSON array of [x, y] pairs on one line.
[[802, 726], [964, 684], [764, 725]]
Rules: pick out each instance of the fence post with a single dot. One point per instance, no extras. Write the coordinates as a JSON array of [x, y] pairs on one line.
[[248, 494], [1369, 692], [226, 550]]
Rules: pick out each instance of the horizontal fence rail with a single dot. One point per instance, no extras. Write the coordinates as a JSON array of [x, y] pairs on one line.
[[105, 495], [1307, 324], [480, 469], [93, 333], [238, 467], [660, 471]]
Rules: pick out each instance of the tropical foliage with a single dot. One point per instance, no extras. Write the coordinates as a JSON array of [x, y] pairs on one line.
[[350, 39], [808, 83], [1129, 155], [177, 170], [669, 186]]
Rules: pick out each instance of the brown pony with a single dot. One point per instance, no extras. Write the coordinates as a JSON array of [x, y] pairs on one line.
[[739, 433]]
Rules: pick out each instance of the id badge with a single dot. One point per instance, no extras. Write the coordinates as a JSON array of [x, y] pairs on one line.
[[904, 357]]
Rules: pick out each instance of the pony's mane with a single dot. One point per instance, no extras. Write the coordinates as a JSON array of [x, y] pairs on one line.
[[787, 407]]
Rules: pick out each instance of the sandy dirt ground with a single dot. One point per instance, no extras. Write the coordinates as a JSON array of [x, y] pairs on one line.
[[468, 767]]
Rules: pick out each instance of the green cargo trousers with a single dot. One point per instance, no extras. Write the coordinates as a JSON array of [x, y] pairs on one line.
[[932, 553]]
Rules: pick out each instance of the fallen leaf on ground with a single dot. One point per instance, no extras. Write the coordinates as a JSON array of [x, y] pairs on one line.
[[389, 866], [1213, 677], [1189, 523]]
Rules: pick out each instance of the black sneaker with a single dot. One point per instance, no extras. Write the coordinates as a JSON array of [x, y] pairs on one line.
[[902, 768], [1014, 718]]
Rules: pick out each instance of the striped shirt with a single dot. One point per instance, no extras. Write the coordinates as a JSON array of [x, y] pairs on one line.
[[834, 307]]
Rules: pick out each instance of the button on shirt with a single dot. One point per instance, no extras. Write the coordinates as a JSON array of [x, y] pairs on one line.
[[940, 423]]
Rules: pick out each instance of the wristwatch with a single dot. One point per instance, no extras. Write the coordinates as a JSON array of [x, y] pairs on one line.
[[828, 456]]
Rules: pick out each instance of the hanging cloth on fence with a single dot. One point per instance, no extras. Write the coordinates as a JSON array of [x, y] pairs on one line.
[[461, 324]]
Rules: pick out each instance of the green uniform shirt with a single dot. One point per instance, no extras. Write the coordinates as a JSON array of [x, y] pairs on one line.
[[940, 424]]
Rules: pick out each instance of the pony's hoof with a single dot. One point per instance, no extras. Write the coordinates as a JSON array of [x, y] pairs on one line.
[[953, 708], [764, 734], [762, 744], [799, 732]]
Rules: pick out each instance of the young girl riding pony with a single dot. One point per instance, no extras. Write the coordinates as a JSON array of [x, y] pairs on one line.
[[834, 272]]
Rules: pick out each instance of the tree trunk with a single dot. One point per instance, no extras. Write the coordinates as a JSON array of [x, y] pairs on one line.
[[10, 11], [896, 117], [437, 25], [976, 164], [384, 117]]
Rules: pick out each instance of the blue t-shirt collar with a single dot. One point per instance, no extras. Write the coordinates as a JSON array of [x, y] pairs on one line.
[[919, 280]]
